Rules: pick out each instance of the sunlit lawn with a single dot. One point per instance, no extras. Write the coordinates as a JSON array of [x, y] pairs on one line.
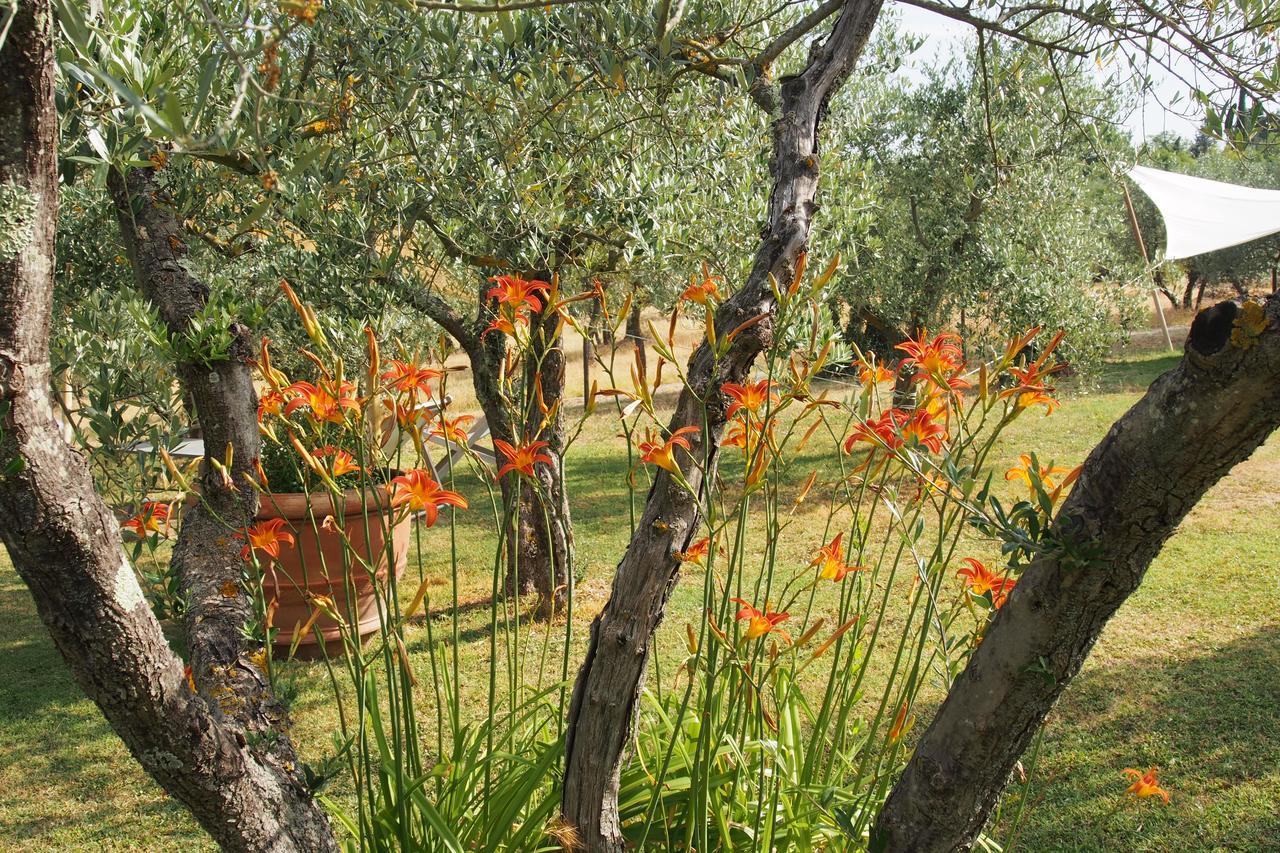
[[1187, 677]]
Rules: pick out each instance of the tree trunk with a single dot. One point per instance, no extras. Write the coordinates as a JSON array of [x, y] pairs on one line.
[[1163, 287], [545, 533], [65, 543], [607, 691], [635, 334], [1194, 424], [223, 403], [539, 553], [1189, 291]]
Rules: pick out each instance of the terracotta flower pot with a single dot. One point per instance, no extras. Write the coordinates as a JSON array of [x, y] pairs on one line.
[[321, 552]]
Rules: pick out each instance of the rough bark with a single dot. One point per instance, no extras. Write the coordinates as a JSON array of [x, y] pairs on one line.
[[65, 543], [635, 334], [608, 687], [1195, 423], [545, 533], [224, 409]]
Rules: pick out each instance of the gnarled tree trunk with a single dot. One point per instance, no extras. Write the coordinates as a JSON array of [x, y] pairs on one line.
[[540, 541], [1194, 425], [545, 534], [65, 543], [605, 696]]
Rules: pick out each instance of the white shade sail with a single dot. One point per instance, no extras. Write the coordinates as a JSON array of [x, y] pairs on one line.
[[1203, 216]]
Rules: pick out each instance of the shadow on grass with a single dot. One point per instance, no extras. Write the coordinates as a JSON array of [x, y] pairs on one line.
[[89, 789], [1136, 374], [1209, 722]]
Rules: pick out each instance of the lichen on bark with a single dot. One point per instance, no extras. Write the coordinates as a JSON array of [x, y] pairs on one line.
[[18, 207]]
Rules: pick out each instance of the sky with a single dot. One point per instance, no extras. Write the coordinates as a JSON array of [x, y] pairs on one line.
[[941, 35]]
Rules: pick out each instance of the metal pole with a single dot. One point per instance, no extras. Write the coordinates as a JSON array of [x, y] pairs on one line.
[[1142, 246]]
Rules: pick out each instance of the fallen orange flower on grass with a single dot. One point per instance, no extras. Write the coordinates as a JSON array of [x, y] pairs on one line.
[[265, 537], [422, 493], [521, 457], [1145, 784], [981, 580], [761, 622]]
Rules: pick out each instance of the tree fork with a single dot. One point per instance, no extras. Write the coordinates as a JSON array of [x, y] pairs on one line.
[[602, 712], [1194, 424]]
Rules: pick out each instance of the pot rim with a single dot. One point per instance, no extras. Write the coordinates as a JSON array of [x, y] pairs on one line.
[[294, 506]]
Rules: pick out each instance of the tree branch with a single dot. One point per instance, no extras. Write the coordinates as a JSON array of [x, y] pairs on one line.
[[965, 17], [797, 31]]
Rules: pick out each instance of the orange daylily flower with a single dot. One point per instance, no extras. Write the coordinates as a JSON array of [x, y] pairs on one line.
[[522, 457], [502, 324], [1037, 396], [149, 519], [697, 553], [422, 493], [265, 537], [1145, 784], [343, 461], [829, 560], [1047, 474], [878, 431], [933, 358], [325, 402], [702, 292], [1018, 343], [750, 396], [406, 377], [761, 622], [922, 429], [407, 413], [270, 403], [873, 374], [745, 435], [1030, 388], [739, 436], [981, 580], [662, 453], [454, 429], [516, 292]]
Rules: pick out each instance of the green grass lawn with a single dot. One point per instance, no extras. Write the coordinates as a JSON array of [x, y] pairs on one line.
[[1187, 676]]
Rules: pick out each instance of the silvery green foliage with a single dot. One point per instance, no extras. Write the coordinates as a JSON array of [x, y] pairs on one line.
[[987, 205]]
